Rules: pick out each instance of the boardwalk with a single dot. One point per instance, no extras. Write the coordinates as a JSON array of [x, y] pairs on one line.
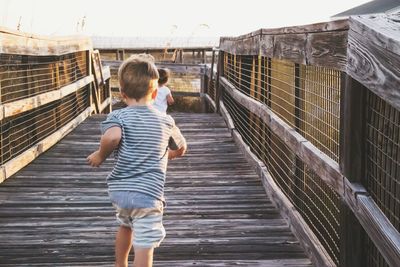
[[55, 212]]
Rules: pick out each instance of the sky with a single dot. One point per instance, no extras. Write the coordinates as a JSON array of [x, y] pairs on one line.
[[164, 18]]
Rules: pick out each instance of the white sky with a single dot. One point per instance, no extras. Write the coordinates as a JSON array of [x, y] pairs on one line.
[[164, 18]]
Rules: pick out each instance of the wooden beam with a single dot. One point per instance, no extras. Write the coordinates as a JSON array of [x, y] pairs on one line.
[[325, 167], [322, 44], [17, 163], [352, 165], [27, 44], [374, 55], [379, 229], [23, 105], [105, 104], [227, 117], [174, 67]]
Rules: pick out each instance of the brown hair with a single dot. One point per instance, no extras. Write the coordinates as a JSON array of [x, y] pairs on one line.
[[135, 75], [164, 76]]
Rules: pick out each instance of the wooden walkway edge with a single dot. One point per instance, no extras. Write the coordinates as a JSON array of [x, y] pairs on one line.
[[56, 212]]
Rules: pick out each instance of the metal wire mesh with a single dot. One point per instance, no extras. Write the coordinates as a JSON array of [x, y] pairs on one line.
[[24, 76], [318, 203], [20, 132], [210, 86], [305, 97], [383, 163]]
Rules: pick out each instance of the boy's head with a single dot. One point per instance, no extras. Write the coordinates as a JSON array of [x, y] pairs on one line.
[[164, 76], [137, 77]]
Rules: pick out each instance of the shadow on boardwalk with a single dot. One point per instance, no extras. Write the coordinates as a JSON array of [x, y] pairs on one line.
[[56, 211]]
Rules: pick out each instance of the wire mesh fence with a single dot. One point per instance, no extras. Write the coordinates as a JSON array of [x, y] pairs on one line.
[[305, 97], [20, 132], [23, 76], [382, 163], [317, 202]]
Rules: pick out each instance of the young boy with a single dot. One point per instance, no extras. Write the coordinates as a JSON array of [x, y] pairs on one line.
[[140, 134], [164, 96]]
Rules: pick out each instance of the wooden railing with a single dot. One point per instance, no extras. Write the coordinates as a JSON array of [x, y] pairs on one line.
[[46, 89], [316, 110]]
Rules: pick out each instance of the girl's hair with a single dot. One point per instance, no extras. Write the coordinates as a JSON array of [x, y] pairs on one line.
[[164, 76]]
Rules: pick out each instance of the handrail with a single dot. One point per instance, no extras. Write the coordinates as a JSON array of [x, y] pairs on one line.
[[46, 90], [368, 49]]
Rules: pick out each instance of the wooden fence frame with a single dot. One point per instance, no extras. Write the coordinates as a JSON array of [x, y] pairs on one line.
[[341, 45], [17, 43]]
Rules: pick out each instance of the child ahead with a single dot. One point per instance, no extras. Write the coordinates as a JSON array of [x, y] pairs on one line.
[[140, 134], [164, 96]]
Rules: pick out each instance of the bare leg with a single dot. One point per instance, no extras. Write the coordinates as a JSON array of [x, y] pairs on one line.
[[143, 257], [123, 244]]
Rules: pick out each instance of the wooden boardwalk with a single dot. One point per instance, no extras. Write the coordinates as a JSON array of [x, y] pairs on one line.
[[56, 211]]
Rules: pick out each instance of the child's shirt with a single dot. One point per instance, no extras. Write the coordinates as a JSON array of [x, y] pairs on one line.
[[142, 155], [161, 102]]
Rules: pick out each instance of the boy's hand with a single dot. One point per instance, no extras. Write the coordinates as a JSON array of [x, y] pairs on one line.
[[95, 159]]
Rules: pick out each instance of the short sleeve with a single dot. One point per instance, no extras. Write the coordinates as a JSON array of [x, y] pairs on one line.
[[111, 121]]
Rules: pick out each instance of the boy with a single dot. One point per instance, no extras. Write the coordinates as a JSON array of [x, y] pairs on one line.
[[139, 133], [164, 96]]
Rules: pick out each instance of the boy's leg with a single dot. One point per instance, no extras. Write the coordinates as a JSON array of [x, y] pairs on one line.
[[123, 244], [143, 257]]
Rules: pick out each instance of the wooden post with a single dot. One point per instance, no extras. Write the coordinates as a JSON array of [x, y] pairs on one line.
[[218, 88], [352, 164]]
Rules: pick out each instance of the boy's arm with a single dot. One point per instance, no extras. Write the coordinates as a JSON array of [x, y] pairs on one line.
[[108, 143], [177, 144]]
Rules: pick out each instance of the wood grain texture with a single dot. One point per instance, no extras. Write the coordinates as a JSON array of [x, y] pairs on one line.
[[56, 212], [321, 44], [26, 104], [374, 55], [12, 42], [175, 67], [379, 229]]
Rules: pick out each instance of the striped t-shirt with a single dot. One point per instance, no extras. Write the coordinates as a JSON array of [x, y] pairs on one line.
[[142, 155]]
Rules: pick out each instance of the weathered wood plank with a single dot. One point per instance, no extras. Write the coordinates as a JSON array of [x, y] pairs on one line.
[[374, 55], [208, 221], [12, 42], [176, 67], [26, 104], [321, 44]]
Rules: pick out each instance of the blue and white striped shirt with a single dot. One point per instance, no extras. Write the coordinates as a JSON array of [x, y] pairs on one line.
[[142, 155]]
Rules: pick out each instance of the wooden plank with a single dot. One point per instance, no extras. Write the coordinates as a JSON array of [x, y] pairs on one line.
[[208, 222], [374, 55], [291, 47], [352, 164], [106, 72], [210, 101], [23, 105], [309, 241], [175, 67], [14, 165], [380, 230], [105, 104], [325, 167], [327, 49], [27, 44]]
